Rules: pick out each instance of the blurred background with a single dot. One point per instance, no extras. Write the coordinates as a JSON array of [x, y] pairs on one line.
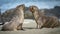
[[49, 7]]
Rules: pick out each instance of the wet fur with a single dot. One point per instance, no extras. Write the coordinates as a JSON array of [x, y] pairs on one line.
[[43, 20]]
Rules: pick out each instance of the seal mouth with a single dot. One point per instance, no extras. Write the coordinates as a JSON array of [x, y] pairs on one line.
[[31, 9], [21, 7]]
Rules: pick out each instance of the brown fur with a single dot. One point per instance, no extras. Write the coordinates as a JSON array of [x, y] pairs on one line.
[[43, 20], [17, 20]]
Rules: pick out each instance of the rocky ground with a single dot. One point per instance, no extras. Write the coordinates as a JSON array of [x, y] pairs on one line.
[[29, 28]]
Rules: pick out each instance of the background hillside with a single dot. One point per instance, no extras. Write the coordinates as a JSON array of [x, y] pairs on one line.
[[8, 14]]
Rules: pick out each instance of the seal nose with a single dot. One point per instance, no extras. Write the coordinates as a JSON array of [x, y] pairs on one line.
[[31, 8]]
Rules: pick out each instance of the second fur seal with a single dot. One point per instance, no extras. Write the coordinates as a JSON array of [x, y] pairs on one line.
[[43, 20]]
